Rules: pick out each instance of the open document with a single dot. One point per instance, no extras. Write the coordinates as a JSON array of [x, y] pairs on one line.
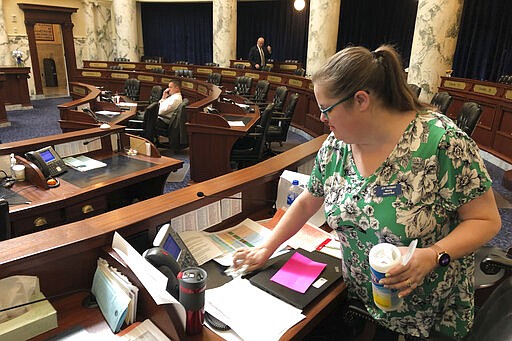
[[83, 163], [205, 246]]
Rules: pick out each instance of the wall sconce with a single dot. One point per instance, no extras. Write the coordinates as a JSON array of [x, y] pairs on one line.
[[299, 5]]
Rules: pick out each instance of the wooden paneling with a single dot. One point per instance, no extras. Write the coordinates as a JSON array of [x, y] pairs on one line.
[[14, 89], [493, 131]]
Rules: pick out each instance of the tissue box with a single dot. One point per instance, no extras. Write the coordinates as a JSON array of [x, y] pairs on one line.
[[39, 318]]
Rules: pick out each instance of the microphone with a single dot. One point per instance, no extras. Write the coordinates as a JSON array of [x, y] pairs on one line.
[[202, 195], [85, 143]]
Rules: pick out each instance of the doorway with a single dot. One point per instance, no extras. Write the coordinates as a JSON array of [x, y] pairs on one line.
[[56, 16], [52, 63]]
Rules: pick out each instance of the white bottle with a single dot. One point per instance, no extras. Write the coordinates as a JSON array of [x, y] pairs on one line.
[[13, 163], [293, 192]]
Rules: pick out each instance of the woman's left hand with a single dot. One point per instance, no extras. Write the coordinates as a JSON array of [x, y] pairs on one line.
[[408, 277]]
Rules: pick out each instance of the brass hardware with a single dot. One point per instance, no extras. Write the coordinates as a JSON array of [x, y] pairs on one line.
[[87, 209], [40, 221]]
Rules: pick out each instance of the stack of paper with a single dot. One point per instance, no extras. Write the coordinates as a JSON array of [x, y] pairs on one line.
[[265, 310], [116, 296]]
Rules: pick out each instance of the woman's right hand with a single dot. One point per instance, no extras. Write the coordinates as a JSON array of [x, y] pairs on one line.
[[253, 257]]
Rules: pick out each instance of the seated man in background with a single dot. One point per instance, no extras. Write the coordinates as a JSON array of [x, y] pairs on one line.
[[171, 98]]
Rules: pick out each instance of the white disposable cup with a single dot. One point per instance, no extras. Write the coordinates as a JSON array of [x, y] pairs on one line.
[[383, 257], [19, 172]]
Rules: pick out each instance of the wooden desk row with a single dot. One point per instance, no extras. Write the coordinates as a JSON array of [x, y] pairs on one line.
[[307, 114], [494, 130], [47, 207], [64, 258]]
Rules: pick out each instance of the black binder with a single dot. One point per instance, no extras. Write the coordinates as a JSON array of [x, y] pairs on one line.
[[261, 279]]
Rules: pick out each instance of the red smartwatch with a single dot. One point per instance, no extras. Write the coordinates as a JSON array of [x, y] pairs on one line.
[[443, 258]]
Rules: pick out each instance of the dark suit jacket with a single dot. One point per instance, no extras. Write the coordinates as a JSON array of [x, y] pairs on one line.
[[254, 55]]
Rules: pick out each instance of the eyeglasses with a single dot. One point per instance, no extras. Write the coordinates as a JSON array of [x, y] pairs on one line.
[[329, 108]]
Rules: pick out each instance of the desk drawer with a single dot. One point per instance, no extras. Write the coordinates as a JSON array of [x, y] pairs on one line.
[[86, 209], [37, 223]]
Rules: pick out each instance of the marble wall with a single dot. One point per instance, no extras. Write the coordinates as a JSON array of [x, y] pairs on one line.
[[323, 32], [99, 41], [224, 31], [434, 42], [5, 52]]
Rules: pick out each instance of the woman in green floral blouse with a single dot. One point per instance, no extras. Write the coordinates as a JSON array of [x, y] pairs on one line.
[[393, 171]]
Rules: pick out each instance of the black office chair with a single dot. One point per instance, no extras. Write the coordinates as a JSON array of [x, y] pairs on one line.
[[146, 126], [181, 62], [442, 101], [239, 66], [184, 73], [5, 223], [154, 96], [279, 98], [416, 90], [212, 64], [175, 129], [158, 70], [300, 72], [260, 92], [494, 319], [468, 117], [266, 68], [243, 86], [132, 89], [121, 59], [280, 123], [250, 149], [214, 78]]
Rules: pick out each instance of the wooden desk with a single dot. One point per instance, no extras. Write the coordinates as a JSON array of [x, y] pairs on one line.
[[281, 67], [15, 87], [75, 200], [72, 117], [211, 139], [65, 258]]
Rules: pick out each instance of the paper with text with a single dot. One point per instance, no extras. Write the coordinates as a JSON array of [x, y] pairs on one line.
[[269, 317]]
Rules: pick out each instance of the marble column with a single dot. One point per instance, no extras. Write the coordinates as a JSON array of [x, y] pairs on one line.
[[435, 38], [224, 31], [5, 53], [90, 50], [323, 32], [124, 15]]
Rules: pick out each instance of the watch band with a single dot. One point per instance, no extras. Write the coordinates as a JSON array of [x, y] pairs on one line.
[[443, 258]]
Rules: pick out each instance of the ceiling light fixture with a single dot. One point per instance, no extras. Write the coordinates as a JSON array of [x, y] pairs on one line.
[[299, 5]]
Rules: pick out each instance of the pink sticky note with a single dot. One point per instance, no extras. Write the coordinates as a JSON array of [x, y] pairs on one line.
[[298, 273]]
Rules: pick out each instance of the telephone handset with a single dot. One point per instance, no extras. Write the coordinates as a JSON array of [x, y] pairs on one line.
[[48, 161], [167, 265]]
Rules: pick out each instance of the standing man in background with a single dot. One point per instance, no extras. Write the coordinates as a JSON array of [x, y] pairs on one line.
[[258, 55]]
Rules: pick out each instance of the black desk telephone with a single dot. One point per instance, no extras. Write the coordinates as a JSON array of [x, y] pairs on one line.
[[48, 161]]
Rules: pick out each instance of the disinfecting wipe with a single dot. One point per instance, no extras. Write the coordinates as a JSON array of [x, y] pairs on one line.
[[383, 257]]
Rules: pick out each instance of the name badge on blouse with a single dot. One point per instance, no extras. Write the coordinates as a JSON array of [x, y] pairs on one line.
[[389, 190]]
